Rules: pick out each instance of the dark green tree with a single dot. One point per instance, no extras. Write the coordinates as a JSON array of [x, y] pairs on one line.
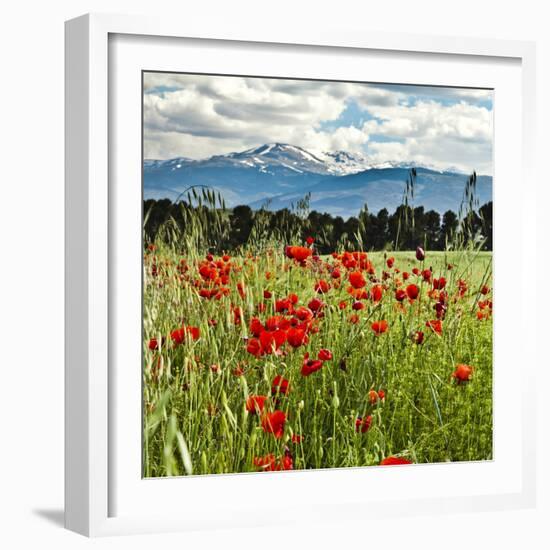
[[432, 230], [486, 217], [448, 228]]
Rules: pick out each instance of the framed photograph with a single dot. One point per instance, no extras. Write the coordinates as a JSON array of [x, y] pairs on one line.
[[296, 282]]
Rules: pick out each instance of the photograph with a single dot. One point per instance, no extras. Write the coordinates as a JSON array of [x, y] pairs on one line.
[[317, 274]]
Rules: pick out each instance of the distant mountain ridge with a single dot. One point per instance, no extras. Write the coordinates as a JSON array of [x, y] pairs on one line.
[[276, 175]]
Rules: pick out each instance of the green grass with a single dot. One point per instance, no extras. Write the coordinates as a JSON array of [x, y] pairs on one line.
[[195, 420]]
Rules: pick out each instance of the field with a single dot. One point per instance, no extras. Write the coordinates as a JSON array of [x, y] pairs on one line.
[[286, 360]]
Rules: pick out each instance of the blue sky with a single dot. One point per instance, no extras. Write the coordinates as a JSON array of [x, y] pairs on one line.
[[198, 116]]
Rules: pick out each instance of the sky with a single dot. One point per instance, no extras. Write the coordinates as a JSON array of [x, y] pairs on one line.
[[197, 116]]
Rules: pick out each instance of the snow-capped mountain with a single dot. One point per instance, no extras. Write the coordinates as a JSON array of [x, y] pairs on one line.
[[340, 182], [342, 162], [279, 155]]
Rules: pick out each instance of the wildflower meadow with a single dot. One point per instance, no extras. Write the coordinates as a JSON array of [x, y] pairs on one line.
[[274, 356]]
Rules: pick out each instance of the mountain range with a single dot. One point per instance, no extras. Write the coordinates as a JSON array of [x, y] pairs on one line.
[[277, 175]]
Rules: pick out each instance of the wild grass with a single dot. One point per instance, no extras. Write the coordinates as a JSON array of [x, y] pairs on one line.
[[195, 393]]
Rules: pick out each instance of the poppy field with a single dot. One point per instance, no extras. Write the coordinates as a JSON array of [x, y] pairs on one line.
[[280, 358]]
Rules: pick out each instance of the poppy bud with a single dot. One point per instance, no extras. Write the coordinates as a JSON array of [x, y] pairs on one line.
[[420, 254]]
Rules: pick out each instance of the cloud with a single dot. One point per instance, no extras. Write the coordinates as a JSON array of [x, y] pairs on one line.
[[433, 119], [200, 115], [458, 135]]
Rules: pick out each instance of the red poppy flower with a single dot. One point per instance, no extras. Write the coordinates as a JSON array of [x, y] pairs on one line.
[[363, 424], [269, 463], [436, 326], [379, 327], [238, 315], [280, 386], [357, 280], [484, 290], [373, 397], [256, 326], [309, 366], [207, 273], [267, 294], [274, 423], [418, 337], [275, 322], [376, 293], [390, 262], [297, 337], [324, 355], [322, 287], [153, 344], [405, 275], [440, 283], [240, 289], [304, 313], [254, 347], [427, 275], [394, 461], [412, 291], [342, 304], [283, 305], [272, 340], [206, 293], [297, 439], [400, 294], [335, 273], [315, 304], [381, 394], [463, 373], [357, 306], [416, 271], [354, 319], [361, 294], [310, 241], [300, 253], [482, 315], [178, 335], [255, 403], [440, 310]]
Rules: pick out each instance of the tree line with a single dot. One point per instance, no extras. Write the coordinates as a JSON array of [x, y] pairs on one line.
[[404, 229]]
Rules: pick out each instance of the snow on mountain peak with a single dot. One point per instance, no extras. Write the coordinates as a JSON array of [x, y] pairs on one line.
[[344, 162], [286, 157]]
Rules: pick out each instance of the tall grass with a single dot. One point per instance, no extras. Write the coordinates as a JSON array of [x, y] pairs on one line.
[[195, 419]]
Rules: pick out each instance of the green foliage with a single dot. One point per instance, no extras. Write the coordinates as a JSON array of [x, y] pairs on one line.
[[405, 229], [219, 229], [194, 392], [194, 396]]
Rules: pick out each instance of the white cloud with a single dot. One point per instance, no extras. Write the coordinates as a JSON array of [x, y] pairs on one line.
[[457, 135], [198, 116], [433, 119]]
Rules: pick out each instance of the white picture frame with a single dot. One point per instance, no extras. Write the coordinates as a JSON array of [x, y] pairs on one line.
[[95, 459]]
